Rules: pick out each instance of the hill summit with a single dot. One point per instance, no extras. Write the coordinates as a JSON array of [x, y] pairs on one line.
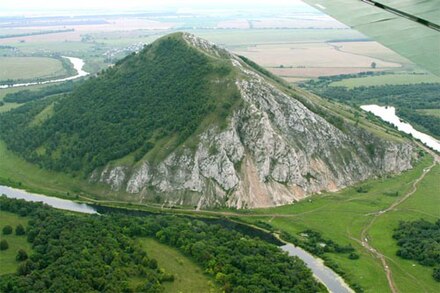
[[186, 122]]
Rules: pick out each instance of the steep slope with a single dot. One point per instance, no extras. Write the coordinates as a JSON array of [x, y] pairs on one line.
[[185, 122]]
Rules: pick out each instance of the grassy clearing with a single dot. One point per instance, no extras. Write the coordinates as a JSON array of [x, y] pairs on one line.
[[188, 277], [24, 68], [430, 112], [342, 216], [8, 264], [17, 172], [387, 79]]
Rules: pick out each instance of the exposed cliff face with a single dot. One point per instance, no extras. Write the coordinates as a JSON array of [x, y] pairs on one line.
[[273, 151]]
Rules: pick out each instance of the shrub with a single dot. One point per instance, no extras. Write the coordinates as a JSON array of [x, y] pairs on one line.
[[4, 245], [7, 230], [19, 230], [21, 255]]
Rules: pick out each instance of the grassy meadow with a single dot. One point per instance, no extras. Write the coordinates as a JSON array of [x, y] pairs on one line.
[[8, 264], [188, 277], [25, 68]]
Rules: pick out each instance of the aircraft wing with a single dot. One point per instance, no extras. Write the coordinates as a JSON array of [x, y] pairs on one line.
[[408, 27]]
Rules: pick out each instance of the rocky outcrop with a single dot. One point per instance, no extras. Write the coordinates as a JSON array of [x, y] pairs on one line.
[[274, 151]]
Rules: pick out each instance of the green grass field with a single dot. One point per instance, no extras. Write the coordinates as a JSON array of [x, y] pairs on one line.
[[342, 216], [387, 79], [430, 112], [188, 277], [25, 68], [8, 264], [17, 172], [410, 276]]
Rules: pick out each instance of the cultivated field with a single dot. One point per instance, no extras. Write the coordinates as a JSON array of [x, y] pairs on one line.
[[372, 49], [387, 79], [24, 68], [313, 59]]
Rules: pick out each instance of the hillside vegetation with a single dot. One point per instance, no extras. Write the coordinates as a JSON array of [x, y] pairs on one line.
[[162, 92]]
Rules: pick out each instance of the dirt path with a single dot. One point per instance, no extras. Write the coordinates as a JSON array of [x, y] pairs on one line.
[[364, 239]]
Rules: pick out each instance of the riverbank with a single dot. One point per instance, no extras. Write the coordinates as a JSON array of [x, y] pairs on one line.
[[388, 114], [325, 275], [77, 63]]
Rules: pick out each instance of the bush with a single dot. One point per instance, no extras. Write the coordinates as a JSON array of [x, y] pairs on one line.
[[7, 230], [4, 245], [353, 255], [19, 230], [21, 255]]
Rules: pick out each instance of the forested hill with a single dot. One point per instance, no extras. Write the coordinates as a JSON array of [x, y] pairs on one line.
[[186, 122], [163, 92]]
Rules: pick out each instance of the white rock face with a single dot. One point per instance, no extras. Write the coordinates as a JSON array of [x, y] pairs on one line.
[[274, 151]]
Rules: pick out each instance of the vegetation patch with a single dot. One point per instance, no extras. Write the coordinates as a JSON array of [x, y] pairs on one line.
[[12, 240], [188, 277], [420, 241]]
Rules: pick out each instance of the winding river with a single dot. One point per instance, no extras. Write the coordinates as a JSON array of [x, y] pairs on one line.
[[388, 114], [330, 279], [78, 65]]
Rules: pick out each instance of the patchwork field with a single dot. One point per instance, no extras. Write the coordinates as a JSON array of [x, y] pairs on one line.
[[23, 68], [313, 59]]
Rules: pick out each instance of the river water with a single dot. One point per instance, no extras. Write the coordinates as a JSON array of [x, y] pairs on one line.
[[55, 202], [78, 64], [388, 114], [329, 278]]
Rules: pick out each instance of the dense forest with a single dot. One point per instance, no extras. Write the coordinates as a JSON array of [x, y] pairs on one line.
[[90, 253], [420, 241], [406, 98], [163, 92]]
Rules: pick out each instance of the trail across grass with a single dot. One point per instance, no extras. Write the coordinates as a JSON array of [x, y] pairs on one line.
[[343, 216]]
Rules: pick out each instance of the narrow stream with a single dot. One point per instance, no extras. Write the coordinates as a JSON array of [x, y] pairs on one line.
[[388, 114], [324, 274], [78, 64]]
